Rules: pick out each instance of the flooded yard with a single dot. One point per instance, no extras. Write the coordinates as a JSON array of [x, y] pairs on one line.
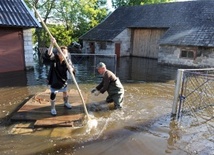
[[144, 125]]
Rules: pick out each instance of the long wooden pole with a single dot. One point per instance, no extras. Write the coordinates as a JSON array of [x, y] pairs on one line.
[[59, 49]]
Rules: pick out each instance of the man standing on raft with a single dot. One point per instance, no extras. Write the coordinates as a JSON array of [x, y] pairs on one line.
[[57, 78]]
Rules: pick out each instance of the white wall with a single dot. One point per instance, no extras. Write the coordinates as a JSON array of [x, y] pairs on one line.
[[28, 48], [171, 55], [125, 39]]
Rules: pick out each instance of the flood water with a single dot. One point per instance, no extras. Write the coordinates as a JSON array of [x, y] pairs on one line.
[[143, 127]]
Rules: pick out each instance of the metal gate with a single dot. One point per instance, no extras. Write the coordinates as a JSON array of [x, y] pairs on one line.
[[194, 94]]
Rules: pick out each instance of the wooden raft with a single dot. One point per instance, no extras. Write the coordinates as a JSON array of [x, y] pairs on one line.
[[38, 107]]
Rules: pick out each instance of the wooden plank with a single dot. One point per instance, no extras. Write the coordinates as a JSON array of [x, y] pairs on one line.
[[32, 113], [22, 128], [68, 121], [37, 109]]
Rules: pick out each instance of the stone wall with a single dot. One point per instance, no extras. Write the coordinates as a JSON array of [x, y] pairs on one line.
[[109, 48], [28, 48], [171, 55], [125, 39]]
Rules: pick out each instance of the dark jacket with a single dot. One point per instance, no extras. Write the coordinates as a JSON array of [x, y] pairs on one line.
[[57, 76], [110, 83]]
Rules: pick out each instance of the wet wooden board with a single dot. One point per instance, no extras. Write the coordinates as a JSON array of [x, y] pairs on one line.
[[38, 107]]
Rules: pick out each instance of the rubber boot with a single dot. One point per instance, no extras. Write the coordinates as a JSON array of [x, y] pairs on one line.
[[66, 103], [53, 110]]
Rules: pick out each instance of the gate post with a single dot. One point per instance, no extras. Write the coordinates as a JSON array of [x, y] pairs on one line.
[[177, 90]]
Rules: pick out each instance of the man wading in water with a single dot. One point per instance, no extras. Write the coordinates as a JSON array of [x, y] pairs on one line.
[[57, 78], [111, 84]]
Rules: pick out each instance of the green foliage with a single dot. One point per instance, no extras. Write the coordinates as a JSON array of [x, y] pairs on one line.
[[118, 3], [92, 13], [61, 34], [70, 18]]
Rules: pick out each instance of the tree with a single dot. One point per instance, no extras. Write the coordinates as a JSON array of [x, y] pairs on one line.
[[117, 3], [44, 8], [92, 13], [76, 16]]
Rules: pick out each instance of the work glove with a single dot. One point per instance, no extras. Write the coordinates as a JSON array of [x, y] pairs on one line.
[[93, 90], [97, 92]]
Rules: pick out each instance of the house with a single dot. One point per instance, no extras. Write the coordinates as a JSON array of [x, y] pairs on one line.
[[16, 22], [178, 33]]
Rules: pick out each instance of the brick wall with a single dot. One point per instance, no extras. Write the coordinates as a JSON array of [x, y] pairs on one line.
[[28, 48]]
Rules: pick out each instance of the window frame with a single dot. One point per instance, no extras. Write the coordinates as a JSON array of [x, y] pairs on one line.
[[187, 53], [102, 45]]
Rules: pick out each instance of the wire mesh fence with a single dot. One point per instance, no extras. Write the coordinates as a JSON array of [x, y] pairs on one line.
[[194, 96]]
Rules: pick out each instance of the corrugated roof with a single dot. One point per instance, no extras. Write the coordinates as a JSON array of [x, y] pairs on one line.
[[15, 13], [179, 17]]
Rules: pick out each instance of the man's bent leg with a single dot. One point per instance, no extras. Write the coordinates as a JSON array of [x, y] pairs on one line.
[[118, 101]]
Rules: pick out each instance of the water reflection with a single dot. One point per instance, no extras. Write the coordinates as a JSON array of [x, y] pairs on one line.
[[147, 70], [41, 71], [128, 69], [13, 79], [174, 136]]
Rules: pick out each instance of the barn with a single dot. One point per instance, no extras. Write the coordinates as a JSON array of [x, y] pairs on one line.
[[16, 22], [176, 33]]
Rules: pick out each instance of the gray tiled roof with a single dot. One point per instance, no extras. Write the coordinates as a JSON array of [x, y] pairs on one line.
[[107, 30], [14, 13], [189, 22], [195, 36]]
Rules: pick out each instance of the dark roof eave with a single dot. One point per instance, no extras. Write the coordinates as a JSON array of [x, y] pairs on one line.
[[174, 44], [16, 14], [97, 40], [148, 27], [101, 35], [20, 26]]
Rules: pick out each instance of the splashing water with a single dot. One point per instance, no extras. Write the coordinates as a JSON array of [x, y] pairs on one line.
[[91, 123]]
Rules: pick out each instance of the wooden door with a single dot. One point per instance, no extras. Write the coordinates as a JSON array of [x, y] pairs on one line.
[[92, 47], [146, 42], [117, 49], [11, 50]]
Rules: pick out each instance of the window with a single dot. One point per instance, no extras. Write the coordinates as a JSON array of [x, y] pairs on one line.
[[102, 45], [188, 54]]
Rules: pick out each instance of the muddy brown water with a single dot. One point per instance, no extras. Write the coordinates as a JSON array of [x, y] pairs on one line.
[[143, 127]]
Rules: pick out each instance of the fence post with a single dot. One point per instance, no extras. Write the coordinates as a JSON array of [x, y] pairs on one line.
[[115, 63], [95, 64], [177, 90]]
